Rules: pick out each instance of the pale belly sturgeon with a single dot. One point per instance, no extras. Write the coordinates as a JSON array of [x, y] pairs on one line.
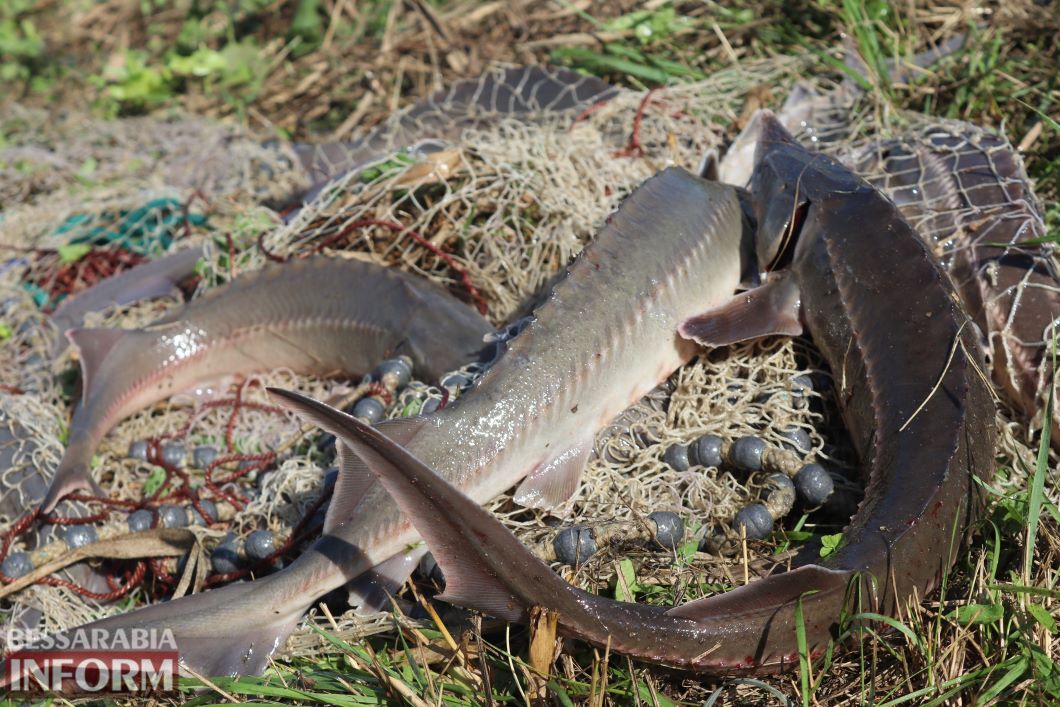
[[849, 269], [524, 93], [317, 316], [604, 338]]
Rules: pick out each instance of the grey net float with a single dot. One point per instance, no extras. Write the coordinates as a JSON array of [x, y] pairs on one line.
[[140, 520], [814, 484], [395, 373], [173, 453], [797, 439], [203, 455], [574, 545], [77, 535], [209, 507], [137, 450], [226, 558], [753, 521], [660, 530], [259, 545], [170, 516], [369, 409], [669, 529], [17, 564]]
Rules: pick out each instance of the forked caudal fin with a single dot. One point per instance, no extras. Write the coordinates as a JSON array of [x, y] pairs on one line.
[[488, 569], [230, 630], [476, 552]]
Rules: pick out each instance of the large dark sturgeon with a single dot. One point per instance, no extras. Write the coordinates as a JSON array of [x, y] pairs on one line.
[[967, 194], [888, 321]]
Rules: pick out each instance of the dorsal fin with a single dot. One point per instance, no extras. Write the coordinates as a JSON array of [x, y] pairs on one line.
[[93, 345], [354, 476]]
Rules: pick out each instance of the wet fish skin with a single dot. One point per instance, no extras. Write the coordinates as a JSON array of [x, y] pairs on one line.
[[603, 338], [965, 192], [887, 319], [972, 198], [315, 316]]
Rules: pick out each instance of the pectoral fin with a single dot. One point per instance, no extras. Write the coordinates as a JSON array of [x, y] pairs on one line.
[[553, 483], [772, 308]]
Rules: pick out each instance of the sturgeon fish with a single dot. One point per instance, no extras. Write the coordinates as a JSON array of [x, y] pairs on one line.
[[966, 192], [888, 321], [316, 316], [604, 338]]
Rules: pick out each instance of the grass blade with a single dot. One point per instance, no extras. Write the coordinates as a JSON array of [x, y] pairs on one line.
[[1041, 466], [804, 652]]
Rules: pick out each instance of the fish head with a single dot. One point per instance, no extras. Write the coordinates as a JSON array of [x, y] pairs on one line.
[[787, 180]]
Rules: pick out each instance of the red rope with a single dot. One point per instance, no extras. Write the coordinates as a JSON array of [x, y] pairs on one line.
[[185, 210], [65, 279], [56, 520], [293, 539], [13, 532], [115, 502], [212, 486], [589, 111], [131, 583], [379, 390], [268, 253], [634, 148]]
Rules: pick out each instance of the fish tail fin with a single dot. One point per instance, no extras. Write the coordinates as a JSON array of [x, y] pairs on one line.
[[231, 630], [72, 475], [486, 567]]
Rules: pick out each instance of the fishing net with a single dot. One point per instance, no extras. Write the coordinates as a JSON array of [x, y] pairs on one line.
[[493, 211], [966, 192]]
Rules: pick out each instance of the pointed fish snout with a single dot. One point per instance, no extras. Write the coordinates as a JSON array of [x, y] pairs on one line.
[[770, 133]]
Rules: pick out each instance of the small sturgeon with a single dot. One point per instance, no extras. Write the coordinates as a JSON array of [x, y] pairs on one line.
[[604, 338], [316, 316], [887, 319]]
